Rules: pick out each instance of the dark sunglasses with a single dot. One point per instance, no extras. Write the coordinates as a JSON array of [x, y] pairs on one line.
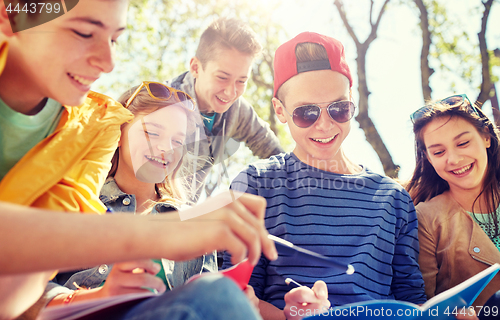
[[459, 99], [305, 116], [160, 91]]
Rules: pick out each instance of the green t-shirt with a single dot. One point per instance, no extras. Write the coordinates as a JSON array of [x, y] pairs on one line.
[[487, 226], [19, 133]]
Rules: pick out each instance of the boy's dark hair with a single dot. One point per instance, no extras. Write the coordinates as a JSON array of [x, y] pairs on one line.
[[227, 33]]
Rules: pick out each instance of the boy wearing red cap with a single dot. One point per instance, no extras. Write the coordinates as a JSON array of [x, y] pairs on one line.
[[318, 199]]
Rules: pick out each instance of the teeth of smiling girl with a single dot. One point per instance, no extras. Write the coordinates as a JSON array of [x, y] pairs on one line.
[[83, 81], [464, 169], [225, 101], [157, 159], [324, 140]]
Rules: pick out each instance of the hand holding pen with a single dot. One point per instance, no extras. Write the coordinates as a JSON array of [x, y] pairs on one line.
[[302, 301]]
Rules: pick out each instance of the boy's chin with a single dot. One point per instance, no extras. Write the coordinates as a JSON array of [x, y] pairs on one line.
[[73, 101], [220, 108]]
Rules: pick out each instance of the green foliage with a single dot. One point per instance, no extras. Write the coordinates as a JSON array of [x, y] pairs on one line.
[[162, 38], [163, 35], [451, 44], [454, 50]]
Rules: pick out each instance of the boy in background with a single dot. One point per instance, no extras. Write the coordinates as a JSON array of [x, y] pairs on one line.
[[217, 77]]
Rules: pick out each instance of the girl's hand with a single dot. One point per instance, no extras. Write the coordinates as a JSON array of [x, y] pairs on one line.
[[304, 301], [125, 277], [132, 277]]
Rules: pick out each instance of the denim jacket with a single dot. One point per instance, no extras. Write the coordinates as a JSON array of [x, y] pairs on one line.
[[176, 272]]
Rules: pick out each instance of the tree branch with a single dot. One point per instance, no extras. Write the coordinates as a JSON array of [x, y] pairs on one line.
[[425, 70], [340, 7], [373, 33], [486, 84], [495, 108], [371, 13], [364, 120]]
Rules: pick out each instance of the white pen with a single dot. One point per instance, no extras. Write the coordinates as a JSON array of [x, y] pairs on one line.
[[290, 280]]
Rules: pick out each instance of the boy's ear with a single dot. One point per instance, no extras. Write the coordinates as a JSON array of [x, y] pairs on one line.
[[5, 26], [194, 66], [15, 21], [278, 109]]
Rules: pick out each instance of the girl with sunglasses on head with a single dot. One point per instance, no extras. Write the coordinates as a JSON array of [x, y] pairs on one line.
[[151, 158], [146, 177], [456, 190]]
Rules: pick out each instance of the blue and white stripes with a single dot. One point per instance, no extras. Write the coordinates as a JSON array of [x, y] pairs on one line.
[[364, 219]]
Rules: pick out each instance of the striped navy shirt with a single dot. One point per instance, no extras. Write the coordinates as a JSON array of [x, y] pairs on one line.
[[363, 219]]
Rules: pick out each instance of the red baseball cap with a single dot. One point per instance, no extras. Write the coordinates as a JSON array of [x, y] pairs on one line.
[[286, 65]]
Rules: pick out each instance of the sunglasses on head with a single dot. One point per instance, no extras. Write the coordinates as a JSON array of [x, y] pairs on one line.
[[159, 91], [459, 99], [306, 115]]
